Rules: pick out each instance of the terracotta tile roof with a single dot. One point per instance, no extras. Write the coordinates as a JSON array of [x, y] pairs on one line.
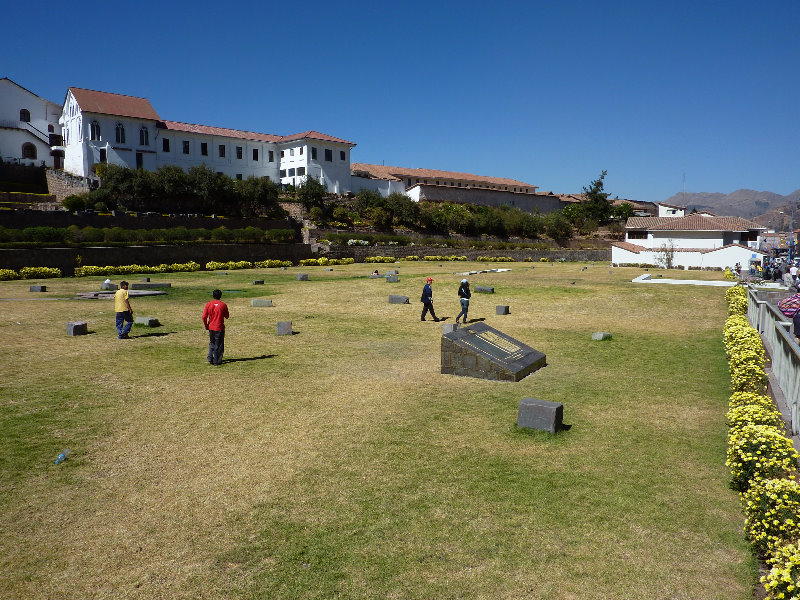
[[400, 173], [315, 135], [114, 104], [671, 205], [221, 132], [693, 222], [630, 247]]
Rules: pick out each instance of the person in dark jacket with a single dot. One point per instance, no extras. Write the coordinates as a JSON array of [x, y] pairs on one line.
[[427, 300], [465, 295]]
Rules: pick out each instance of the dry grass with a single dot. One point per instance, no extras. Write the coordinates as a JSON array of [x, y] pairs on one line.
[[338, 462]]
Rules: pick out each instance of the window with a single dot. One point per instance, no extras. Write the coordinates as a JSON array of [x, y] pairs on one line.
[[186, 146], [25, 115], [28, 150], [239, 176], [94, 130], [282, 173], [103, 155], [301, 151], [637, 235], [255, 153], [291, 151], [271, 156], [291, 172], [144, 137], [341, 155], [139, 160], [239, 152], [313, 153], [328, 155], [165, 144], [51, 129], [119, 133], [301, 170], [204, 148], [222, 150], [281, 153]]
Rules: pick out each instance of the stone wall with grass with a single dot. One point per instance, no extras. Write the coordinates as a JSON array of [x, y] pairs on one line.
[[360, 252]]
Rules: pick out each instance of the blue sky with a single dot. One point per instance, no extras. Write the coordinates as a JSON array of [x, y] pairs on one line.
[[550, 93]]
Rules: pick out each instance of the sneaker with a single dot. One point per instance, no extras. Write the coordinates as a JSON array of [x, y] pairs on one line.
[[124, 336], [436, 320]]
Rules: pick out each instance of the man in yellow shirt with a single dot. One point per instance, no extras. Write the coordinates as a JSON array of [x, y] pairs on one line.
[[122, 307]]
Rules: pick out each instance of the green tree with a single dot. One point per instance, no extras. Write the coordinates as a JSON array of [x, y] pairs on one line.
[[311, 193], [258, 196], [74, 202], [595, 203], [623, 211]]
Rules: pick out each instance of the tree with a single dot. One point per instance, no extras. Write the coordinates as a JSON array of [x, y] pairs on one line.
[[595, 202], [665, 256], [623, 211], [311, 193]]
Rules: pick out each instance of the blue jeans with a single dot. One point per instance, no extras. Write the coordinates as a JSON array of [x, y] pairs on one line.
[[216, 346], [464, 309], [124, 323]]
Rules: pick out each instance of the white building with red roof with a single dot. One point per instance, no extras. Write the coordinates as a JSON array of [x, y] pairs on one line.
[[101, 127], [695, 240], [29, 130]]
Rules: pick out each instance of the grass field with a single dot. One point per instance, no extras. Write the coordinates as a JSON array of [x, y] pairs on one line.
[[339, 462]]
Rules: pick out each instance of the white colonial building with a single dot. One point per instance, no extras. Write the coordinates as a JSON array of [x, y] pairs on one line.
[[696, 241], [100, 127], [29, 129]]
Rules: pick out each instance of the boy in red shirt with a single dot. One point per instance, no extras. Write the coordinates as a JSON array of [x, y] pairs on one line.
[[214, 315]]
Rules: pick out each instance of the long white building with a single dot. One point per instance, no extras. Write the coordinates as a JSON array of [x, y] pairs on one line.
[[30, 133], [101, 127]]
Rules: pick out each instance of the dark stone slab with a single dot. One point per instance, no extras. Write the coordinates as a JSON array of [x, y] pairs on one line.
[[109, 286], [392, 279], [284, 328], [396, 299], [393, 272], [38, 288], [478, 350], [503, 310], [302, 277], [145, 279], [142, 285], [77, 328], [540, 414], [258, 282], [260, 302], [483, 289], [148, 321]]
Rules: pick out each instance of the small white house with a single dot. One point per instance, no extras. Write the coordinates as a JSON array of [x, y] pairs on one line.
[[29, 129], [696, 241], [670, 210]]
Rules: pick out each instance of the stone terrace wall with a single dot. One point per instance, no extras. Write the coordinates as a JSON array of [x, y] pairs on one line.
[[360, 252], [61, 184], [66, 259]]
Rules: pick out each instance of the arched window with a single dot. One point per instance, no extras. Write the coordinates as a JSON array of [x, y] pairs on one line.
[[51, 129], [25, 115], [28, 150], [144, 137], [120, 133], [94, 130]]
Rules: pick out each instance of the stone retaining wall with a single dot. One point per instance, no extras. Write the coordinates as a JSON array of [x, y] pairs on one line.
[[360, 252]]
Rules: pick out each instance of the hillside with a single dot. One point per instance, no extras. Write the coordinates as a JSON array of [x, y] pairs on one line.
[[749, 204]]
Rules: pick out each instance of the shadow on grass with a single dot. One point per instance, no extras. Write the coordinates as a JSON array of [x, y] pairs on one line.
[[262, 357], [147, 335]]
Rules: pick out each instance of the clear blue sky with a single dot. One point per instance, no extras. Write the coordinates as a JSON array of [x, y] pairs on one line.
[[550, 93]]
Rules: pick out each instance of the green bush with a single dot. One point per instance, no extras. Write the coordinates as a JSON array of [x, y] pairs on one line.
[[757, 452], [379, 259], [74, 202], [772, 509], [271, 264], [280, 236], [39, 272], [228, 266], [8, 274]]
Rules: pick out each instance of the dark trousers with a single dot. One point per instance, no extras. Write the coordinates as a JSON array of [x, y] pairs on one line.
[[428, 306], [796, 320], [124, 323], [216, 346]]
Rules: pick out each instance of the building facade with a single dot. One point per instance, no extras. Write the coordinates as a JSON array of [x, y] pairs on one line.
[[100, 127], [29, 129]]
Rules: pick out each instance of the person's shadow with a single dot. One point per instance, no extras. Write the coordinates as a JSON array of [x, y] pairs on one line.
[[262, 357], [157, 334]]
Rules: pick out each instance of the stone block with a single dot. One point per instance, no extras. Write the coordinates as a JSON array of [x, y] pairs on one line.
[[147, 321], [258, 282], [302, 277], [146, 285], [448, 327], [260, 302], [483, 289], [503, 310], [284, 328], [601, 335], [392, 279], [397, 299], [540, 414], [329, 269], [109, 286], [77, 328], [145, 279], [393, 272], [38, 288]]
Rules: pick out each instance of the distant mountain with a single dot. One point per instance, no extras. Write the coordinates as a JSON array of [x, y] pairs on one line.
[[762, 207]]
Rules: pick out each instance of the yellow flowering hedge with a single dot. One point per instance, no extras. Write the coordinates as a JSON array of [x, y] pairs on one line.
[[738, 399], [438, 258], [494, 259], [8, 274], [737, 306], [735, 291], [272, 264], [323, 261], [772, 508], [411, 257], [90, 270], [783, 579], [754, 415], [379, 259], [757, 452], [729, 275], [231, 265]]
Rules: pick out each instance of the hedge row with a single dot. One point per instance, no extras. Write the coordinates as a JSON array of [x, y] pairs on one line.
[[323, 261], [29, 273], [762, 459]]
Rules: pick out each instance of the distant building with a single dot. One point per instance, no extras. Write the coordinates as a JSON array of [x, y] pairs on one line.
[[101, 127], [695, 240], [29, 129]]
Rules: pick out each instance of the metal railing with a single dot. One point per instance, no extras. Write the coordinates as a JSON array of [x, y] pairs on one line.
[[776, 333]]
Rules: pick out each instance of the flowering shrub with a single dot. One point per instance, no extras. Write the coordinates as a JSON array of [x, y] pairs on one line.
[[729, 275], [737, 306], [90, 270], [772, 508], [735, 291], [758, 452], [411, 257], [379, 259], [231, 265], [443, 258], [783, 579], [271, 264], [39, 272], [8, 274], [494, 259], [357, 242], [738, 333], [323, 261], [754, 415], [544, 259], [738, 399]]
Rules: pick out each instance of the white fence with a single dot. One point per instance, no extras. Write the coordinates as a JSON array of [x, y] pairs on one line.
[[776, 332]]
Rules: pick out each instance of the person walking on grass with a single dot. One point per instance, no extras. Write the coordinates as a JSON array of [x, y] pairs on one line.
[[427, 300], [123, 310], [214, 315], [464, 294]]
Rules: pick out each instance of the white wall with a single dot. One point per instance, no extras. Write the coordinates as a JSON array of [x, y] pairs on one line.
[[14, 133], [334, 173], [721, 258], [383, 186], [670, 211]]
